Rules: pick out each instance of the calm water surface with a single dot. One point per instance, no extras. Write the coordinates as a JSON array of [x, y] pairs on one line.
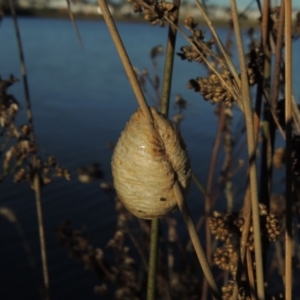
[[81, 101]]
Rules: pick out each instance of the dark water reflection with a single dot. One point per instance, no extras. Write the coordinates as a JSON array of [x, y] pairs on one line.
[[81, 101]]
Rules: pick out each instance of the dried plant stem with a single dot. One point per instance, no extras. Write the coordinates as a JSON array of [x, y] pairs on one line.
[[125, 60], [219, 42], [208, 193], [196, 242], [273, 112], [288, 132], [280, 260], [168, 68], [151, 284], [296, 115], [39, 210], [164, 107], [268, 124], [198, 183], [23, 69], [74, 24], [247, 210], [252, 153], [247, 214], [278, 53], [137, 246], [211, 67], [251, 275], [145, 109], [247, 221], [295, 110], [36, 178]]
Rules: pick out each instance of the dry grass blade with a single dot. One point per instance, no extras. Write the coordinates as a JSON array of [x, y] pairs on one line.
[[288, 132], [74, 24], [251, 152], [36, 178], [11, 217]]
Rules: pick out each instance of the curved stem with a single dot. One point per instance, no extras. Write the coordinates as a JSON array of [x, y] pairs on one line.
[[196, 241]]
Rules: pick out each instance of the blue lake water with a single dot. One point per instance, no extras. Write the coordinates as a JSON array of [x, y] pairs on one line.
[[81, 101]]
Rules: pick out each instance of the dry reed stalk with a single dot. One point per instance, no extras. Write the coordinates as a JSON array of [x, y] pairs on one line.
[[36, 177], [164, 108], [278, 60], [153, 254], [147, 114], [250, 275], [251, 153], [288, 132], [274, 115], [74, 24], [125, 60], [295, 110], [168, 68], [247, 216], [208, 192], [268, 126], [247, 209], [196, 243]]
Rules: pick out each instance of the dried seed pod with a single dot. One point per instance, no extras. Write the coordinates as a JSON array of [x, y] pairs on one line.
[[147, 161]]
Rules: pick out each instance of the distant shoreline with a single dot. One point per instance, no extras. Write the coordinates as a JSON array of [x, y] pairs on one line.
[[58, 14]]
